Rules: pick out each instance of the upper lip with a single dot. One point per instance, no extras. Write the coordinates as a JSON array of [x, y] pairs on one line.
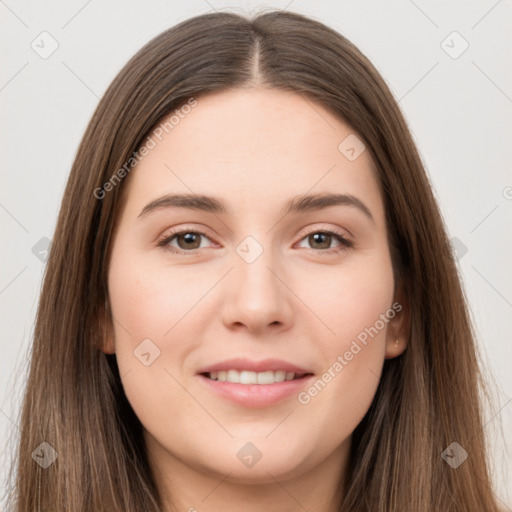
[[265, 365]]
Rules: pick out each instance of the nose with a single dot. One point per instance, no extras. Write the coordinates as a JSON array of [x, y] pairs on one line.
[[258, 297]]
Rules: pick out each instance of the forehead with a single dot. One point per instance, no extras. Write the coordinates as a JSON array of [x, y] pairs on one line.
[[254, 148]]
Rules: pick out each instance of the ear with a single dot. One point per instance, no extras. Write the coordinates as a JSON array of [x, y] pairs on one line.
[[397, 336], [106, 330]]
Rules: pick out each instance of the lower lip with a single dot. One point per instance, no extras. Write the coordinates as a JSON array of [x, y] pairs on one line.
[[256, 395]]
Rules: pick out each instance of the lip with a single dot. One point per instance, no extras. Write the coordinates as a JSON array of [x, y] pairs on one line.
[[265, 365], [255, 395]]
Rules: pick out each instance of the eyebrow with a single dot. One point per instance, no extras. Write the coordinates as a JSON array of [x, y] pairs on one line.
[[298, 204]]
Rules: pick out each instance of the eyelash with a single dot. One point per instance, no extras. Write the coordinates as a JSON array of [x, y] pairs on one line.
[[345, 243]]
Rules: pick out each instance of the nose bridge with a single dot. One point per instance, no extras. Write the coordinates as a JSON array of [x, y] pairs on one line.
[[252, 269], [259, 298]]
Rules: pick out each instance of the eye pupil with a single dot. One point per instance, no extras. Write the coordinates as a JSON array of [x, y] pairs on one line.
[[189, 239], [321, 239]]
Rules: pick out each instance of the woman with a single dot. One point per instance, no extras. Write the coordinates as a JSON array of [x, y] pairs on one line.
[[195, 349]]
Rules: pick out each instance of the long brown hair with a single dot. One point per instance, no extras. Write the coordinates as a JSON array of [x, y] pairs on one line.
[[427, 398]]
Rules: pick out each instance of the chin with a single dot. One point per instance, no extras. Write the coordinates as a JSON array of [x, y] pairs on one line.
[[248, 466]]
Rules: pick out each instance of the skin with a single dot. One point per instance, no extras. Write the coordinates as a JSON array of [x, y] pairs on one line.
[[253, 148]]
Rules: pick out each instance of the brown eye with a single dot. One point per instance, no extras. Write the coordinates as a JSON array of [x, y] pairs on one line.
[[321, 241], [183, 241], [188, 240]]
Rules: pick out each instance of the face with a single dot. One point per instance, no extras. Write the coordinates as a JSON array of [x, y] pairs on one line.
[[293, 299]]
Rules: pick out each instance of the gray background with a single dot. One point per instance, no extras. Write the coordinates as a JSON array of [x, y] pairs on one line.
[[458, 106]]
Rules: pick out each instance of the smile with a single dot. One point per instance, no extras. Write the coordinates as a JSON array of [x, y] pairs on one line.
[[249, 377]]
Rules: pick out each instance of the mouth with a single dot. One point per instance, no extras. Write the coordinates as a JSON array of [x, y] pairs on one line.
[[252, 385], [250, 378]]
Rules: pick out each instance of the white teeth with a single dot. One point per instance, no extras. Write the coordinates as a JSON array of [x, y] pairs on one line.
[[279, 376], [266, 378], [247, 377], [233, 376]]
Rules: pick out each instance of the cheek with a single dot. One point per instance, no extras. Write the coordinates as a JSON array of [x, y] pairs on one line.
[[340, 396], [350, 298], [153, 332], [356, 305], [149, 316], [149, 301]]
